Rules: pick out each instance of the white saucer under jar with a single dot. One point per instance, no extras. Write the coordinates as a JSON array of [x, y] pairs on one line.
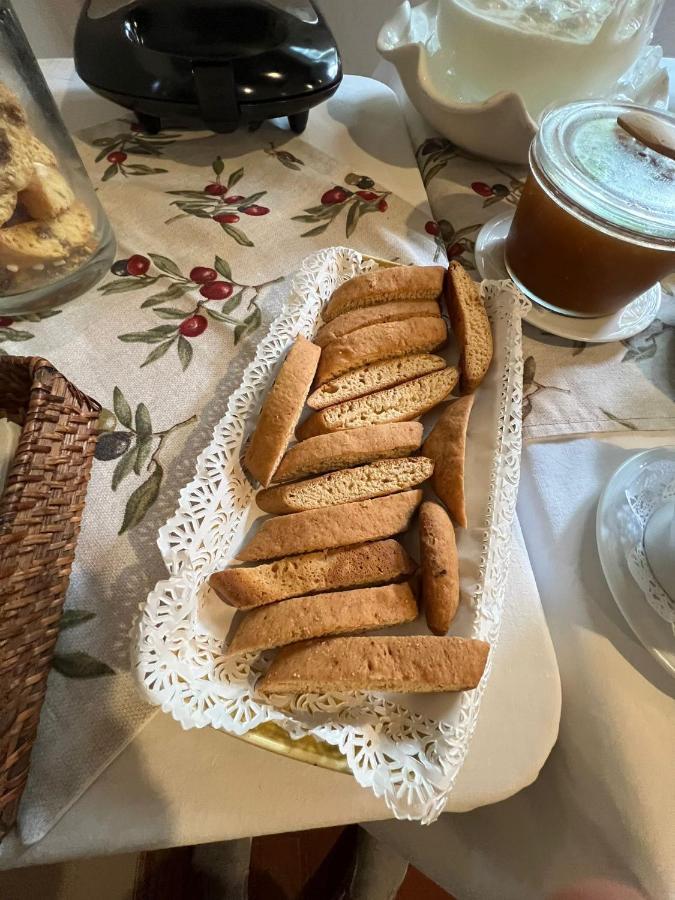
[[595, 225]]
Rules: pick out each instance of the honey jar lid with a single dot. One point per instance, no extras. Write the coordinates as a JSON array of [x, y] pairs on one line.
[[602, 174]]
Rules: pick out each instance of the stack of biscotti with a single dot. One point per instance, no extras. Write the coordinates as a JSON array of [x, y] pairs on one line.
[[327, 563], [42, 223]]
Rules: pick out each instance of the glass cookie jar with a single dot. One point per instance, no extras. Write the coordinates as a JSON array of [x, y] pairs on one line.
[[595, 225], [55, 239]]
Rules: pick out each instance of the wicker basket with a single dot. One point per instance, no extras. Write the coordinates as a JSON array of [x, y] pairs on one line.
[[40, 513]]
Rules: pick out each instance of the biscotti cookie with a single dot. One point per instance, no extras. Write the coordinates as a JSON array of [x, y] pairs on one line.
[[376, 376], [391, 663], [373, 315], [44, 241], [335, 526], [398, 404], [439, 566], [341, 450], [343, 612], [377, 479], [377, 342], [379, 562], [470, 325], [281, 410], [446, 445], [39, 152], [16, 164], [48, 193], [383, 286], [7, 205]]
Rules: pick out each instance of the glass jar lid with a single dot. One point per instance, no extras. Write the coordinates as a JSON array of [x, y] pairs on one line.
[[602, 174]]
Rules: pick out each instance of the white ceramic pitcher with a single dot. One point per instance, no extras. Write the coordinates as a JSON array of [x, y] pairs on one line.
[[482, 78]]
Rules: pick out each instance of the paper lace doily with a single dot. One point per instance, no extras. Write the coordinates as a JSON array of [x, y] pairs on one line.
[[408, 758]]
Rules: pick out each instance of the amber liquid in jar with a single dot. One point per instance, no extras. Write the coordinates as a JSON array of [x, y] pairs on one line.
[[573, 266]]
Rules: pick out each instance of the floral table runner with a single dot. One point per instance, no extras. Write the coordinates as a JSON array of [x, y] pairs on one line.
[[570, 387], [208, 229]]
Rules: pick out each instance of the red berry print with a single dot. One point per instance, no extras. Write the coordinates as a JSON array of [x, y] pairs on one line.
[[227, 218], [368, 196], [455, 250], [334, 195], [137, 264], [193, 327], [117, 156], [214, 189], [255, 210], [202, 275], [6, 321], [235, 198], [217, 290], [479, 187], [432, 228], [383, 206]]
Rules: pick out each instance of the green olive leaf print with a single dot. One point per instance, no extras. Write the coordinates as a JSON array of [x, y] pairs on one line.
[[142, 421], [164, 264], [136, 448], [116, 148], [73, 617], [143, 451], [122, 408], [367, 198], [216, 201], [124, 467], [201, 288], [286, 158], [9, 333], [80, 665], [142, 499]]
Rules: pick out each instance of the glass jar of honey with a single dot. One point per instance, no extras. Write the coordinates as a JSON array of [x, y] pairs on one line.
[[595, 225]]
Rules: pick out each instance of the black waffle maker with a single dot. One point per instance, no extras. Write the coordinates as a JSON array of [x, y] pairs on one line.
[[213, 63]]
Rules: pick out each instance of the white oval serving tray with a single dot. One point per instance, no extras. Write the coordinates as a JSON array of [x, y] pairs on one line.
[[407, 749]]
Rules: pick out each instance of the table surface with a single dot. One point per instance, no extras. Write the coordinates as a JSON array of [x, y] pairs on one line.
[[172, 787]]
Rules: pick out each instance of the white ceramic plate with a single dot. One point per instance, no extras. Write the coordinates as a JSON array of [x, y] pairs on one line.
[[612, 532], [626, 323]]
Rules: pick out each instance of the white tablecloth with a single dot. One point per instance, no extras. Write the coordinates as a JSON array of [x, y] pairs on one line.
[[603, 803]]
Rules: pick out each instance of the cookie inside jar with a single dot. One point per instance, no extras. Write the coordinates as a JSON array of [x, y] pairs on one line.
[[46, 230]]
